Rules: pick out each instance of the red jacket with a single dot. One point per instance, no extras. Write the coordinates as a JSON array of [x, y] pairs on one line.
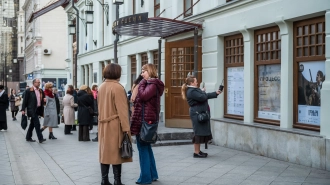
[[147, 94]]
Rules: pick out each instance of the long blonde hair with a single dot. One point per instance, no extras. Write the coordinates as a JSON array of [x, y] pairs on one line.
[[189, 80]]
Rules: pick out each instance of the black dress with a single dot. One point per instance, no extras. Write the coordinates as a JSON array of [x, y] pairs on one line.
[[3, 108]]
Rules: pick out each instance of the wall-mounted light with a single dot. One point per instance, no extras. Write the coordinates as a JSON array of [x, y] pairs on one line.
[[72, 29], [118, 2], [95, 42], [89, 16]]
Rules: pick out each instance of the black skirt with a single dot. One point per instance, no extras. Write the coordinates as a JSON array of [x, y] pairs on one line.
[[202, 139]]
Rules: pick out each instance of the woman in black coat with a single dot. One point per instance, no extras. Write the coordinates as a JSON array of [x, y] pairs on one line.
[[14, 109], [197, 99], [85, 119], [3, 106]]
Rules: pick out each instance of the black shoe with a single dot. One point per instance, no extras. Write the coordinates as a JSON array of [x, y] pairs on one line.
[[199, 156], [96, 139], [202, 153], [51, 136], [42, 129], [14, 119], [74, 130], [31, 140], [41, 141], [68, 133]]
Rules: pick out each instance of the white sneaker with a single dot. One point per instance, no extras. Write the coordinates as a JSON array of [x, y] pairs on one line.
[[91, 132]]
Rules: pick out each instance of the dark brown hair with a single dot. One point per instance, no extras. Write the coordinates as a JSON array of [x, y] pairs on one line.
[[189, 80], [151, 68], [89, 91], [112, 71]]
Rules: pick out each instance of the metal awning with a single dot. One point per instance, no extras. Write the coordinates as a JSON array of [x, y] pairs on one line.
[[141, 25], [47, 9]]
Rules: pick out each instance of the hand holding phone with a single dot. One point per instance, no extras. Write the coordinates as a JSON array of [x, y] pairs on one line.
[[221, 86]]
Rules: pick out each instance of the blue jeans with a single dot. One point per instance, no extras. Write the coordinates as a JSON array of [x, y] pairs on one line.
[[147, 162]]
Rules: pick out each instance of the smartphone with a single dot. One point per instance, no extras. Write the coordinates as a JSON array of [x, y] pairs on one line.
[[221, 86], [202, 85]]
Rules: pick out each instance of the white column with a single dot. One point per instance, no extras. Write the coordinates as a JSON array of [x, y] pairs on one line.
[[86, 74], [138, 63], [248, 36], [325, 95], [286, 32], [90, 74]]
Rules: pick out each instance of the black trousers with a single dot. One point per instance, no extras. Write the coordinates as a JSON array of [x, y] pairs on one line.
[[67, 129], [34, 123], [14, 113]]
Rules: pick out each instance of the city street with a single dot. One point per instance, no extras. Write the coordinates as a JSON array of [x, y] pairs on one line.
[[66, 161]]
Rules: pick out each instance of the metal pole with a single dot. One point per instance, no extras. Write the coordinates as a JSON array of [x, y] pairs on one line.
[[196, 53], [75, 63], [117, 37], [159, 58], [6, 72]]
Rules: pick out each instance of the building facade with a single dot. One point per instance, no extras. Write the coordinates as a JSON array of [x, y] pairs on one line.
[[21, 39], [271, 55], [45, 44], [8, 27]]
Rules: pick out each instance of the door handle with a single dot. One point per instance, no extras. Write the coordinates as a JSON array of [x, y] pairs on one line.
[[166, 92]]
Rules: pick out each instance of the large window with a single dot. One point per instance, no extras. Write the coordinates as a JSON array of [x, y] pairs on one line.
[[234, 76], [267, 73], [309, 62], [133, 69], [156, 8], [144, 59], [186, 5]]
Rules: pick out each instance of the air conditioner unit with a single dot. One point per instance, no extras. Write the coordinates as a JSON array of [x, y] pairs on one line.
[[47, 51]]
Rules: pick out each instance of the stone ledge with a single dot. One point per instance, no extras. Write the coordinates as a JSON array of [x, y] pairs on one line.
[[270, 127]]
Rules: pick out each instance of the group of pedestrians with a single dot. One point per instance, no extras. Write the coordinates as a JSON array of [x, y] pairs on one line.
[[109, 107]]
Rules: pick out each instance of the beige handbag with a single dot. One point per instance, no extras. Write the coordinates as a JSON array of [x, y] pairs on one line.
[[18, 102]]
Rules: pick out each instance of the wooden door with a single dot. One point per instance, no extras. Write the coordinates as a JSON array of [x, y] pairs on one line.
[[179, 61]]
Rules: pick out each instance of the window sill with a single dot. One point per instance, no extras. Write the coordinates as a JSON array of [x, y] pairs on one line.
[[270, 127]]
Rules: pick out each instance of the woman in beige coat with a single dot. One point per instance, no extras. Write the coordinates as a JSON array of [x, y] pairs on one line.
[[68, 110], [113, 123]]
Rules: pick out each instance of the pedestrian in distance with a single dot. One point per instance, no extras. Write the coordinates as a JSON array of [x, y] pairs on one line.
[[68, 110], [58, 106], [198, 101], [113, 123], [50, 110], [3, 107], [75, 96], [14, 103], [85, 118], [95, 117], [34, 103], [149, 92]]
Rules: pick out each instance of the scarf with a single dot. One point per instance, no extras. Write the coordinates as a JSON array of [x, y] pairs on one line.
[[1, 93], [49, 93]]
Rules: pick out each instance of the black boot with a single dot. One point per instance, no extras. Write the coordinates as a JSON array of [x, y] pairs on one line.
[[51, 136], [96, 139], [117, 174], [105, 172]]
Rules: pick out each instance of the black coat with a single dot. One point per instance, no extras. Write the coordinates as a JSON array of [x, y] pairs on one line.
[[84, 101], [197, 100], [30, 102], [3, 107], [58, 107], [75, 98]]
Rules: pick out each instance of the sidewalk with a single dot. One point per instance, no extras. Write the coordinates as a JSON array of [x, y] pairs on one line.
[[66, 161]]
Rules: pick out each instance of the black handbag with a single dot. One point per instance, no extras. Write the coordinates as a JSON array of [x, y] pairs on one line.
[[126, 147], [148, 132], [62, 119], [203, 117], [24, 122], [90, 110]]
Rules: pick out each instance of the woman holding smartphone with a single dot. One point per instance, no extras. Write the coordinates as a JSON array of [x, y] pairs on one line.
[[197, 99]]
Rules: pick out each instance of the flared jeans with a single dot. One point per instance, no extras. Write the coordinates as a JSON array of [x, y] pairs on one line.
[[147, 162]]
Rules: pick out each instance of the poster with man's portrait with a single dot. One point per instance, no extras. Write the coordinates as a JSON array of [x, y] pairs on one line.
[[310, 79], [61, 86]]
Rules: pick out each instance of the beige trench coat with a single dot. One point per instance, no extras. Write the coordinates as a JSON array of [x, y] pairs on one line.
[[113, 121], [68, 109]]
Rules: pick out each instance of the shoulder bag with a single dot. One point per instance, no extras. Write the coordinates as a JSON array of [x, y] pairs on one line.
[[90, 110], [126, 147], [148, 132], [203, 117]]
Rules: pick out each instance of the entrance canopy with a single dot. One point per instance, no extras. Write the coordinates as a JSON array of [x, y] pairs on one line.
[[141, 25]]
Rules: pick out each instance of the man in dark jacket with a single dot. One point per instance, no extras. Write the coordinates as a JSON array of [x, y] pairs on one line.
[[58, 106], [3, 107], [33, 102], [75, 98]]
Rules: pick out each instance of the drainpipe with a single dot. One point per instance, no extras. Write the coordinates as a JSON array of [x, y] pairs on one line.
[[75, 63]]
